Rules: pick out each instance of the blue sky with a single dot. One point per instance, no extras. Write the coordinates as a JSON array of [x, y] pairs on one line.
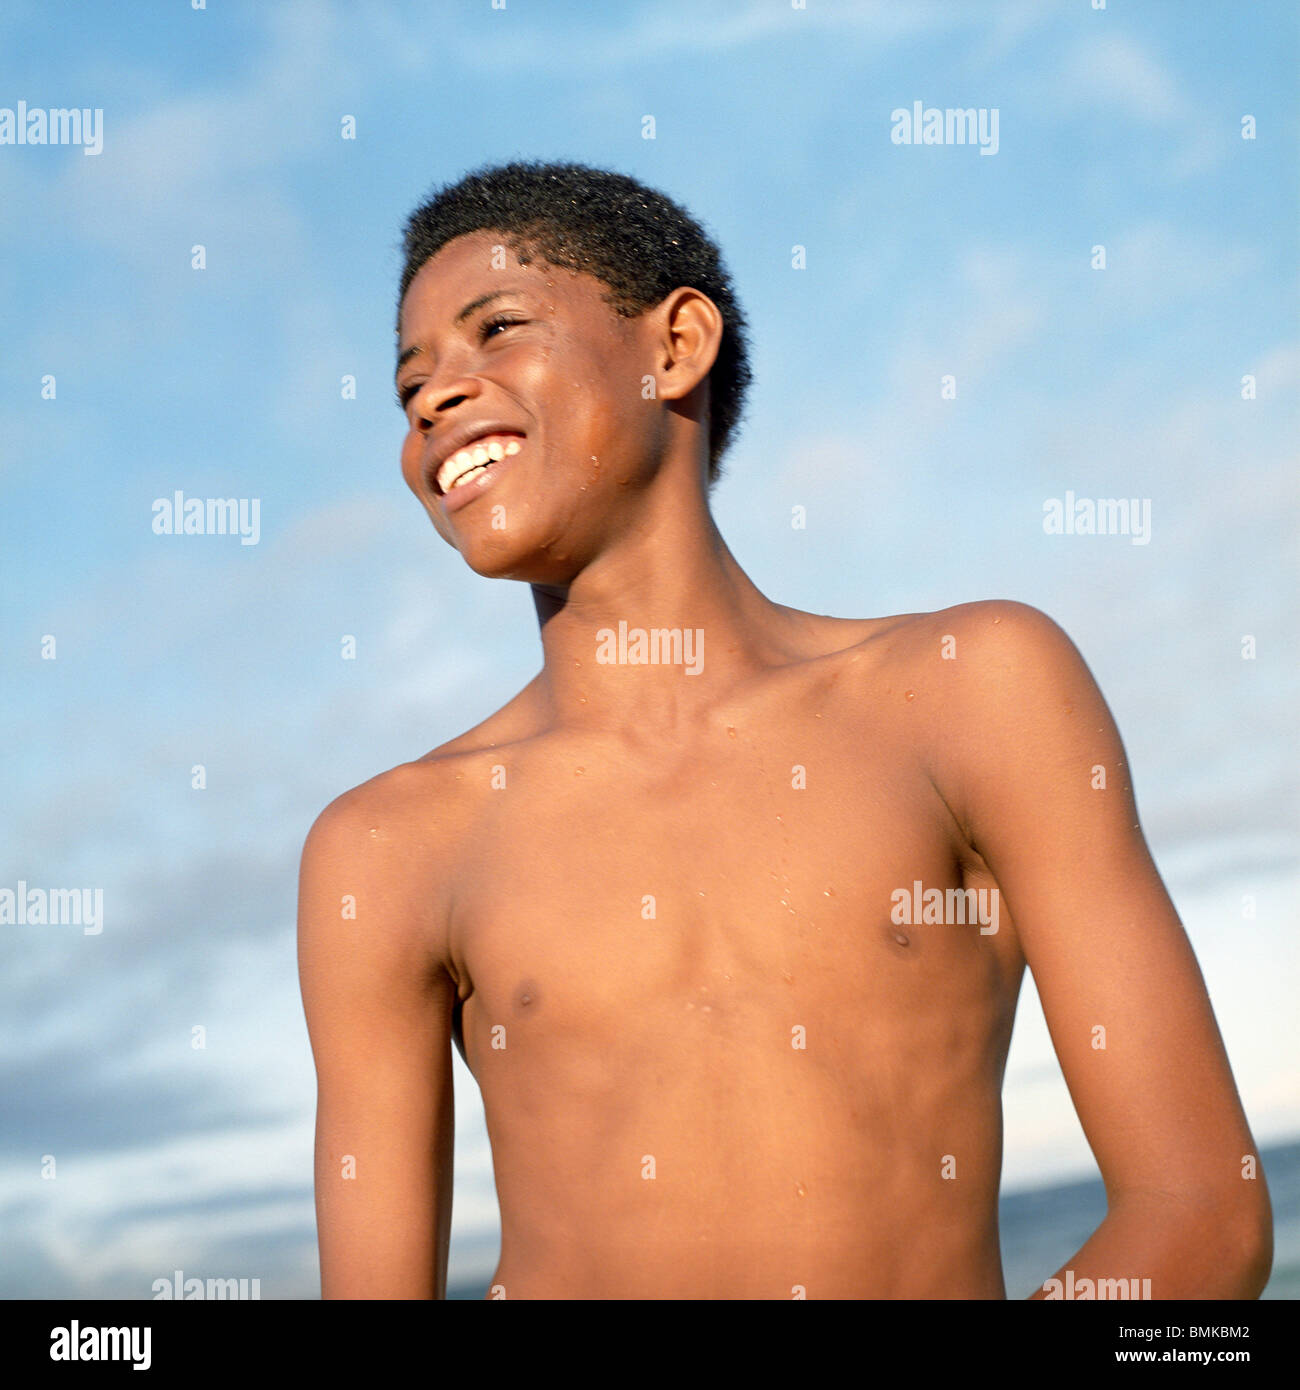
[[1120, 127]]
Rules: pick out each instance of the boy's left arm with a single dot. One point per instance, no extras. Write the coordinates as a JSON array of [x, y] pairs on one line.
[[1044, 791]]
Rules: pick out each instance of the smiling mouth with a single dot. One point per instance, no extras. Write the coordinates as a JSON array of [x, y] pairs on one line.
[[474, 460]]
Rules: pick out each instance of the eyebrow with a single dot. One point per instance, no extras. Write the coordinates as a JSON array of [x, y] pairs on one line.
[[460, 318]]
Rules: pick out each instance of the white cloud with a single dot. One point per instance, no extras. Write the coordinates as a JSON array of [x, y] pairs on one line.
[[209, 168], [1278, 370], [1154, 264], [1004, 28], [1115, 73]]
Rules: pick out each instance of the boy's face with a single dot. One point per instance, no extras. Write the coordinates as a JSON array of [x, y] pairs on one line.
[[548, 361]]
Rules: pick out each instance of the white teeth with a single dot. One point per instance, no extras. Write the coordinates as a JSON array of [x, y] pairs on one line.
[[469, 462]]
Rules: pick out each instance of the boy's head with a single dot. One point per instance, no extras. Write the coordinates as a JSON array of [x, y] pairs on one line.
[[639, 244]]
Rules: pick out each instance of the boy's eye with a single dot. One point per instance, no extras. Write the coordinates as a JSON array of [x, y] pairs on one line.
[[485, 331], [496, 321]]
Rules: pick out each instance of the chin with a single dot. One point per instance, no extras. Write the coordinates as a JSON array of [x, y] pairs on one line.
[[502, 561], [492, 567], [527, 565]]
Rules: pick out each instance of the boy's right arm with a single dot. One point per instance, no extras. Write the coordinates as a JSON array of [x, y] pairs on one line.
[[379, 1008]]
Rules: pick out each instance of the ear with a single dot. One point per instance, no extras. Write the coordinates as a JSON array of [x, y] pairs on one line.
[[689, 334]]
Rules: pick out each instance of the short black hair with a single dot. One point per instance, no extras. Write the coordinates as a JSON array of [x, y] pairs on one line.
[[637, 242]]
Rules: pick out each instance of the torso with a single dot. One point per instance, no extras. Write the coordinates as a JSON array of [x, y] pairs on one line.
[[713, 1064]]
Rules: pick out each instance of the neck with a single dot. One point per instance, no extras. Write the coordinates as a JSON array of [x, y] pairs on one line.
[[660, 626]]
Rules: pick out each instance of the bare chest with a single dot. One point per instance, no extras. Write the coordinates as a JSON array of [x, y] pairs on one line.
[[604, 901]]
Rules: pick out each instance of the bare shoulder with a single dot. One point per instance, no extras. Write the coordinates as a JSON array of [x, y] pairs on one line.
[[964, 666], [978, 652], [1013, 666], [992, 687], [428, 796], [380, 816], [389, 841], [379, 854]]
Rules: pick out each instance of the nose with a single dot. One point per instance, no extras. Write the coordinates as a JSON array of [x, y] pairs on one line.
[[433, 401]]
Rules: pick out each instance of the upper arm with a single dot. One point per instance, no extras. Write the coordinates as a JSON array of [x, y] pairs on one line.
[[379, 1007], [1048, 802]]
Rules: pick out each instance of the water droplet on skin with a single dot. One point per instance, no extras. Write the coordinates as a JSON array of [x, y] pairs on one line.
[[997, 620], [578, 771], [800, 1190], [909, 694], [828, 892], [731, 733]]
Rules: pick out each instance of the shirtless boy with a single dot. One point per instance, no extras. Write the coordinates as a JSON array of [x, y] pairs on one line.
[[664, 899]]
